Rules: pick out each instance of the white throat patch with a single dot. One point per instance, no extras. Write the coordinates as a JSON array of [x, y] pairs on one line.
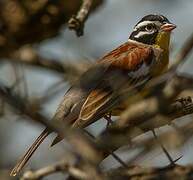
[[142, 33]]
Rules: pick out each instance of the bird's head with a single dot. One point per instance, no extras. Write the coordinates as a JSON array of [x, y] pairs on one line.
[[153, 30]]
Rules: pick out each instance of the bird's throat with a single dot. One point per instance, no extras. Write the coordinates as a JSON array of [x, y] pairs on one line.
[[163, 42]]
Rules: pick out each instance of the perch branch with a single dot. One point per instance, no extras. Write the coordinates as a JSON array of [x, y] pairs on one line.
[[179, 108]]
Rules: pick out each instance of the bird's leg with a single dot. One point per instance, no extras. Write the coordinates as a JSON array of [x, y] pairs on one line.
[[110, 122], [172, 162], [108, 118]]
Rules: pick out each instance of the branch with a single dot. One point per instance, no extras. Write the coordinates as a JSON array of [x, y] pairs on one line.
[[83, 146], [46, 18], [77, 22], [59, 167], [136, 172], [117, 136], [183, 53], [28, 56], [178, 109]]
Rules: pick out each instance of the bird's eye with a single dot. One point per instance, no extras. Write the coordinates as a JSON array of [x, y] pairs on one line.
[[149, 28]]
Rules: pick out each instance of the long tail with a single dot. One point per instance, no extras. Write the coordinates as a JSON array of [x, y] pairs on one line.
[[21, 163]]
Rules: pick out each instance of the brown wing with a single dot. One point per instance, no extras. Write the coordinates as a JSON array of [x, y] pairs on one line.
[[126, 63]]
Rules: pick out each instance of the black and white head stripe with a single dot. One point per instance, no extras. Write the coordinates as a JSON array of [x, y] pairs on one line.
[[155, 17], [147, 28]]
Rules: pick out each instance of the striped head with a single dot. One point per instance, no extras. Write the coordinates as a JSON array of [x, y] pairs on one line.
[[149, 28]]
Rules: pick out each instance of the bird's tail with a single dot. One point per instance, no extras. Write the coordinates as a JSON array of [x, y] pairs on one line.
[[21, 163]]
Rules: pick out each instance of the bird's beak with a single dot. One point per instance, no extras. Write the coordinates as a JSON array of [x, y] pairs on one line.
[[168, 27]]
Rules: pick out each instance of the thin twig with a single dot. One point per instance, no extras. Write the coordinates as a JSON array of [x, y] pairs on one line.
[[74, 137], [116, 157], [124, 134], [163, 148], [29, 56], [77, 22], [183, 53]]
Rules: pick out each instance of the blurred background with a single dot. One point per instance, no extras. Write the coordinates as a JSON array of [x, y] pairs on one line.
[[106, 28]]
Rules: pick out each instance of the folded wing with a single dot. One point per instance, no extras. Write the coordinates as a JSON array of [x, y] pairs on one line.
[[128, 67]]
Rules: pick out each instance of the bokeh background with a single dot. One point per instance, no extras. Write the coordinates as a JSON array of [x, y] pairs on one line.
[[106, 28]]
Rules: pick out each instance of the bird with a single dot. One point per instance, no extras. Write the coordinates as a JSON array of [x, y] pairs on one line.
[[125, 70]]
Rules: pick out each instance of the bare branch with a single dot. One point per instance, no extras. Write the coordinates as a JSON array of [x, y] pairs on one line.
[[29, 56], [184, 52], [168, 172], [59, 167], [77, 22], [77, 139], [115, 137]]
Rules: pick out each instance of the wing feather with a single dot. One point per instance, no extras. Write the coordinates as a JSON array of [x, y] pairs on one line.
[[129, 63]]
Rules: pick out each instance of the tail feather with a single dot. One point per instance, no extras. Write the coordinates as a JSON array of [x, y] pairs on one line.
[[21, 163]]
